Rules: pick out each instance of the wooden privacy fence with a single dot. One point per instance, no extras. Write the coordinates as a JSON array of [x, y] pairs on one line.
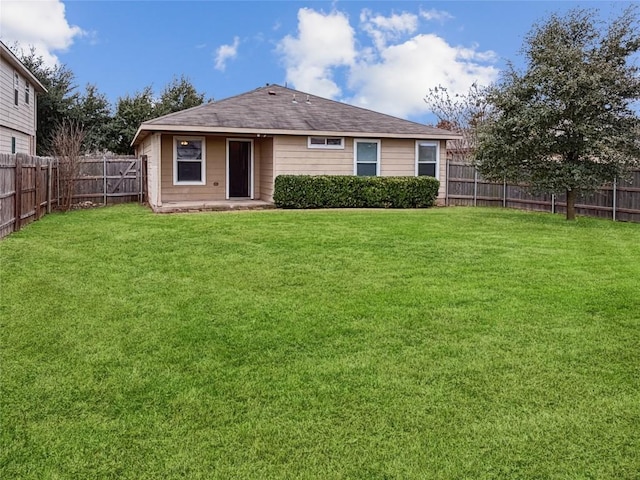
[[617, 201], [30, 186]]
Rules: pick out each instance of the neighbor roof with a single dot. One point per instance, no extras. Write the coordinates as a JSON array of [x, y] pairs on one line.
[[15, 62], [279, 110]]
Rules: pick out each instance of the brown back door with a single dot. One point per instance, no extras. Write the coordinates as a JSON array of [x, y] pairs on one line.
[[239, 168]]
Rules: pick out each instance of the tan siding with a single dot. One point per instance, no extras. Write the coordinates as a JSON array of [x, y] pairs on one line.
[[442, 173], [266, 169], [257, 163], [20, 118], [292, 157], [214, 187], [397, 157]]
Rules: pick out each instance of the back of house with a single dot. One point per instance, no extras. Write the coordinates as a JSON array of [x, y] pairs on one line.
[[236, 147]]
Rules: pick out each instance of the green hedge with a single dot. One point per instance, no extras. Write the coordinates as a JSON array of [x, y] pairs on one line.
[[340, 191]]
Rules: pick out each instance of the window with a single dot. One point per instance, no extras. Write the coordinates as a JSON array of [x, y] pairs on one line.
[[427, 158], [326, 142], [27, 88], [13, 144], [366, 157], [16, 86], [189, 161]]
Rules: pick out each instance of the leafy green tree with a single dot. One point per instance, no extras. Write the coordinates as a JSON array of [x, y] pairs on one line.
[[130, 112], [93, 112], [178, 95], [58, 103], [567, 124]]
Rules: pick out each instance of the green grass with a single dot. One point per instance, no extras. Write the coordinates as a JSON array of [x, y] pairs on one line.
[[439, 344]]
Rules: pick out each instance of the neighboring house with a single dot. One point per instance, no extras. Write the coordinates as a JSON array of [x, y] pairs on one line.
[[18, 104], [236, 147]]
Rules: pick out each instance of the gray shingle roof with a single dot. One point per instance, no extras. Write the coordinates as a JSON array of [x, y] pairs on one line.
[[272, 108]]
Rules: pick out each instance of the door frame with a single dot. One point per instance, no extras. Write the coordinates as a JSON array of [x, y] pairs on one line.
[[251, 165]]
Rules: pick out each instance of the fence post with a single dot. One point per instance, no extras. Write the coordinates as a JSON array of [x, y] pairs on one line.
[[37, 187], [504, 192], [475, 187], [615, 194], [104, 180], [446, 187], [18, 190], [553, 203], [49, 183], [139, 173]]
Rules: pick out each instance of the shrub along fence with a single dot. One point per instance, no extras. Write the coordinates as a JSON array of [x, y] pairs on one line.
[[617, 201], [30, 186]]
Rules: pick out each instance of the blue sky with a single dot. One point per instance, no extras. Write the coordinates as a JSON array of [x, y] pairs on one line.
[[378, 54]]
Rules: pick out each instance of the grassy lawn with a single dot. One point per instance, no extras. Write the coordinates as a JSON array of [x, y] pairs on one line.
[[438, 344]]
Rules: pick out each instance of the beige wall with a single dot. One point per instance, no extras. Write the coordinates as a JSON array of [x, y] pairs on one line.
[[215, 170], [265, 173], [214, 187], [292, 157], [397, 158], [20, 119], [284, 154]]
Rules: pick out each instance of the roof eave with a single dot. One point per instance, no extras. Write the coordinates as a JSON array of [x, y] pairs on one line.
[[145, 129], [15, 62]]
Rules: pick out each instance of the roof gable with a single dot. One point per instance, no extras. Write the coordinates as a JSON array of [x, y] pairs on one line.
[[274, 109], [15, 62]]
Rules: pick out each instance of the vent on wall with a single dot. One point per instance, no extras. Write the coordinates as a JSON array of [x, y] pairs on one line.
[[272, 92]]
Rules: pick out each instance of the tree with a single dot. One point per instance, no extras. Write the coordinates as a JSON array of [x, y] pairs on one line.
[[180, 94], [130, 112], [460, 113], [567, 124], [67, 141], [93, 111], [59, 101]]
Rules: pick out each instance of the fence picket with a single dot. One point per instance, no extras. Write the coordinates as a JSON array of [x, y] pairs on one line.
[[30, 186], [615, 201]]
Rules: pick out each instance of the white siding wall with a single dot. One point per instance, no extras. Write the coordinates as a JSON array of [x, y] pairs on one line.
[[21, 118], [23, 141], [149, 148]]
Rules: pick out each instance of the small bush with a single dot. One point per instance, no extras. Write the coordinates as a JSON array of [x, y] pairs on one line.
[[340, 191]]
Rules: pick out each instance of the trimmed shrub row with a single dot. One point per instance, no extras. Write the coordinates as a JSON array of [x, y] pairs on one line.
[[341, 191]]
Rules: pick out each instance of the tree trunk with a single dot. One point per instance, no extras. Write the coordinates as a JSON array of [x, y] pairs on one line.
[[571, 204]]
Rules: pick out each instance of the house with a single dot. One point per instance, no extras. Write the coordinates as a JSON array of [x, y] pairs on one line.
[[18, 104], [235, 148]]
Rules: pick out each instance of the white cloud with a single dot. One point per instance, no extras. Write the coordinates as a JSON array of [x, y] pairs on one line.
[[226, 52], [41, 24], [324, 42], [397, 83], [434, 14], [394, 74], [383, 29]]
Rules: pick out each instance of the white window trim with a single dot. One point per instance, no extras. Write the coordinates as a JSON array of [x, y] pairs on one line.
[[436, 143], [16, 89], [325, 146], [355, 154], [203, 161], [251, 166]]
